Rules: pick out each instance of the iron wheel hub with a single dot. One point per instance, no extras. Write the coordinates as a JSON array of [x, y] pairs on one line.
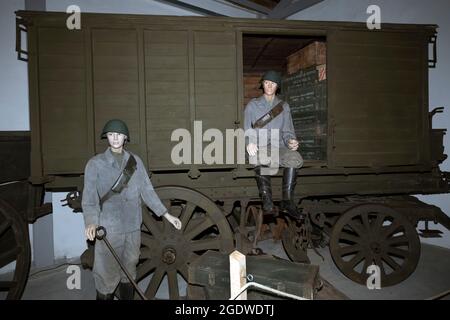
[[169, 255]]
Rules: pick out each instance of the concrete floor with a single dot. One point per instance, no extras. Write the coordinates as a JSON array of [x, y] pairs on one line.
[[431, 277]]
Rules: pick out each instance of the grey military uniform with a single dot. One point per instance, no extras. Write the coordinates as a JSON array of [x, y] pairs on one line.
[[254, 110], [121, 215]]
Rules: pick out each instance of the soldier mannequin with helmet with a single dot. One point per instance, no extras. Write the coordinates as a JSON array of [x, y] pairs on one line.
[[287, 145], [118, 210]]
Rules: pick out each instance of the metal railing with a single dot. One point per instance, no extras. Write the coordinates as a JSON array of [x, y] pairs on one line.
[[268, 289]]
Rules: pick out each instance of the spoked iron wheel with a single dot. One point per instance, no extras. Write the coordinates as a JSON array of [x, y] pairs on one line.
[[295, 241], [167, 252], [375, 234], [14, 247]]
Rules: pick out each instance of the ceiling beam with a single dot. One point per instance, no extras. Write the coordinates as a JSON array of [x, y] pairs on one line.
[[35, 5], [261, 51], [251, 5], [286, 8], [192, 8]]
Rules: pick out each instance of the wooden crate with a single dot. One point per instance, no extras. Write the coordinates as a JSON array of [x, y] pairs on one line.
[[311, 55], [209, 277], [252, 82]]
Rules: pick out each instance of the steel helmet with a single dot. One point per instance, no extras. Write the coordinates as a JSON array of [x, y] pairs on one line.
[[115, 125], [272, 76]]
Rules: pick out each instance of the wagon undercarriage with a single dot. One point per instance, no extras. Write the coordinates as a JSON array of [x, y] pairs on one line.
[[360, 232]]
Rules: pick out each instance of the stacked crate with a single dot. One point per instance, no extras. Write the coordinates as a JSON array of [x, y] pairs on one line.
[[313, 54], [252, 83], [306, 93]]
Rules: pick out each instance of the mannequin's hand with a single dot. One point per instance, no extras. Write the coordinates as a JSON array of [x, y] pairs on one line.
[[173, 220], [252, 149], [293, 144], [90, 231]]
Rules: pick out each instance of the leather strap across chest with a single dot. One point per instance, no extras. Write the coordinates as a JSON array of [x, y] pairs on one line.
[[269, 116], [122, 181]]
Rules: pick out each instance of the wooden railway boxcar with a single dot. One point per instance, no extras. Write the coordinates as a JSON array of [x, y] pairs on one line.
[[160, 73]]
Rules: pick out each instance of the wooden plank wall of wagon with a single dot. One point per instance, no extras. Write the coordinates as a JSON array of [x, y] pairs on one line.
[[62, 100], [216, 80], [116, 84], [167, 91], [376, 98], [14, 155]]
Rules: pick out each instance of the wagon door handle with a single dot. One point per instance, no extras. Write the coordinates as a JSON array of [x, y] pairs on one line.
[[333, 134], [20, 27]]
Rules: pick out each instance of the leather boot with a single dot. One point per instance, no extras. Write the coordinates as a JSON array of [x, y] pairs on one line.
[[287, 204], [265, 191], [126, 291], [101, 296]]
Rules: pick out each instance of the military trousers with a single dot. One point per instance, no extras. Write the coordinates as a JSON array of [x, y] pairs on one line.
[[106, 271], [273, 157]]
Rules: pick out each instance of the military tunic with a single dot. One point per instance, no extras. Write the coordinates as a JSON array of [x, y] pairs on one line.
[[254, 110], [121, 214]]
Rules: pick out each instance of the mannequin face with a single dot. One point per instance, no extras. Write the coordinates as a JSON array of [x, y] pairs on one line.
[[270, 87], [116, 141]]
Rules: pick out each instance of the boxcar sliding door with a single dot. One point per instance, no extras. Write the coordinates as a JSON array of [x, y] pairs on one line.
[[377, 100]]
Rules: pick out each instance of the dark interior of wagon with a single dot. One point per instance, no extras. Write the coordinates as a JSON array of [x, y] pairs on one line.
[[302, 62]]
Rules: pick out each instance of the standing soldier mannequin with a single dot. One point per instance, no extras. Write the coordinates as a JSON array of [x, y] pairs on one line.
[[271, 113], [114, 200]]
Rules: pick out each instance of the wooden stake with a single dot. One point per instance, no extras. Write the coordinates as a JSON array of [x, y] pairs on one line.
[[238, 274]]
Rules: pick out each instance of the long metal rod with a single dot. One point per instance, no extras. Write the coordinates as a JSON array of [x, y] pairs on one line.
[[113, 252], [440, 295], [265, 288]]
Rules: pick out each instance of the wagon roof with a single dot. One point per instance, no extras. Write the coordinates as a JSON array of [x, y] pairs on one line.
[[97, 19]]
